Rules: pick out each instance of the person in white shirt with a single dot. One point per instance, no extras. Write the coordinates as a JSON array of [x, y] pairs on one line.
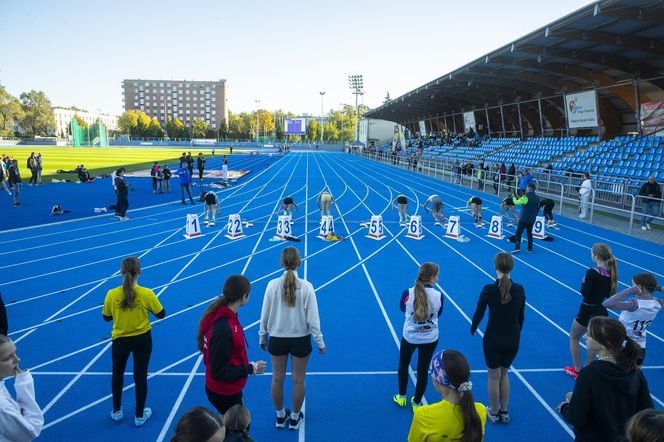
[[290, 318], [638, 308], [585, 191], [21, 419]]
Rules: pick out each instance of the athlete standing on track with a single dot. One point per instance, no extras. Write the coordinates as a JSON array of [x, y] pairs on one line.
[[598, 284], [506, 301], [422, 305], [436, 209], [402, 207], [128, 306]]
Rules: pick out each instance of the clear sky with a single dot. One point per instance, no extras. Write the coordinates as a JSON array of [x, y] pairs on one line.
[[282, 53]]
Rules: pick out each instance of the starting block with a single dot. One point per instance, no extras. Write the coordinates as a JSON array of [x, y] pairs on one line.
[[453, 227], [496, 227], [415, 227], [539, 228], [326, 226], [234, 226], [193, 226], [376, 230], [284, 226]]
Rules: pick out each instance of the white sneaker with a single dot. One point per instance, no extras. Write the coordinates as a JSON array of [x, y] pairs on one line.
[[644, 228], [648, 226]]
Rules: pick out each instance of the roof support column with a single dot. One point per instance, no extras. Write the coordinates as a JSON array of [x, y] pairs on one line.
[[488, 125], [637, 96], [454, 123], [565, 107], [502, 119], [541, 117], [518, 110]]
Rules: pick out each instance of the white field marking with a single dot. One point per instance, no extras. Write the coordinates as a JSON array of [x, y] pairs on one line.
[[543, 273], [178, 402], [306, 221], [98, 401], [76, 378], [22, 229], [532, 390], [397, 341], [309, 373], [267, 223], [186, 278], [109, 396]]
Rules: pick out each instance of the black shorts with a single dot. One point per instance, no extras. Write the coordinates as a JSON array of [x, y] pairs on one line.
[[509, 202], [223, 402], [288, 200], [642, 357], [298, 347], [586, 312], [476, 200], [402, 200], [210, 199], [500, 350]]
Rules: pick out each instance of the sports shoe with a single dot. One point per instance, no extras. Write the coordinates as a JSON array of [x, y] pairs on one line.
[[294, 424], [648, 226], [212, 223], [504, 417], [572, 372], [644, 228], [117, 415], [140, 421], [399, 400], [206, 222], [124, 218], [281, 421], [414, 404], [515, 251], [529, 250], [493, 418]]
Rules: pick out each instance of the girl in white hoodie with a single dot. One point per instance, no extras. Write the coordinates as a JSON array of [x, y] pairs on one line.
[[21, 419]]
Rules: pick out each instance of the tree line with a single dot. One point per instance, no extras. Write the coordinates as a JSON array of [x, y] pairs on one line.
[[32, 112]]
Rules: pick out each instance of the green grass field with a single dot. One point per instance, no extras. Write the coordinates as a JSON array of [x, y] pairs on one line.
[[98, 160]]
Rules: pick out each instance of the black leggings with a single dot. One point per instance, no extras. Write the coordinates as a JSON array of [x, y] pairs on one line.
[[141, 347], [528, 227], [424, 354]]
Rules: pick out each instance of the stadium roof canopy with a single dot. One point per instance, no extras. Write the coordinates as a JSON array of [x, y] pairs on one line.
[[615, 46]]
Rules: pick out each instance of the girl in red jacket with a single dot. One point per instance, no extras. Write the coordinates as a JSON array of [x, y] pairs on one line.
[[222, 342]]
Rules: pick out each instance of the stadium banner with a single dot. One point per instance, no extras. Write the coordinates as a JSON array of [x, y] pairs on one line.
[[581, 109], [469, 120], [295, 126], [652, 115], [423, 129]]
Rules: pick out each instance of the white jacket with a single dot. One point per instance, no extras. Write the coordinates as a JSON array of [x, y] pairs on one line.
[[278, 319], [586, 188], [21, 419]]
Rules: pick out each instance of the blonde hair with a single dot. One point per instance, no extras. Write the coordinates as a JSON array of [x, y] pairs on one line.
[[131, 267], [603, 252], [290, 260], [421, 303]]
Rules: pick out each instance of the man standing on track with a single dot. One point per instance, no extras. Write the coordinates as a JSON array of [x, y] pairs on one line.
[[530, 202]]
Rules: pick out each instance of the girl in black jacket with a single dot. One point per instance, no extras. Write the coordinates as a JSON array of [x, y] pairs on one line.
[[609, 390]]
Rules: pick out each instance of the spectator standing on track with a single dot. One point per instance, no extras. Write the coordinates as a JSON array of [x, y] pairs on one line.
[[436, 209], [4, 324], [224, 169], [530, 202], [457, 417], [506, 301], [237, 421], [200, 424], [289, 317], [223, 344], [610, 389], [153, 174], [422, 305], [639, 311], [15, 181], [115, 189], [122, 192], [585, 192], [4, 177], [160, 180], [32, 165], [598, 284], [190, 164], [167, 179], [548, 204], [184, 177], [646, 426], [128, 306], [21, 419], [40, 166], [200, 163], [652, 193]]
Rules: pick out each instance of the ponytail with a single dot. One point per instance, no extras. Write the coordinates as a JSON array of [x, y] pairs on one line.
[[235, 287], [504, 263], [611, 334], [647, 281], [131, 268], [290, 260], [628, 354], [603, 252], [613, 269], [421, 304]]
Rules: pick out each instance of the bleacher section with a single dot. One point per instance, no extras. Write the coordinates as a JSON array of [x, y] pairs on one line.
[[534, 151]]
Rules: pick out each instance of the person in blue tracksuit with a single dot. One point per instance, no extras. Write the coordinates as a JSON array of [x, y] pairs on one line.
[[529, 203], [184, 177]]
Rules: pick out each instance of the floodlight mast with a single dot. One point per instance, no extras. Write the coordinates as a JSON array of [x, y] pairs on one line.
[[357, 86]]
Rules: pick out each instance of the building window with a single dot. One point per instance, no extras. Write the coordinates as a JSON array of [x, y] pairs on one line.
[[180, 84], [135, 84], [188, 112], [188, 98]]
